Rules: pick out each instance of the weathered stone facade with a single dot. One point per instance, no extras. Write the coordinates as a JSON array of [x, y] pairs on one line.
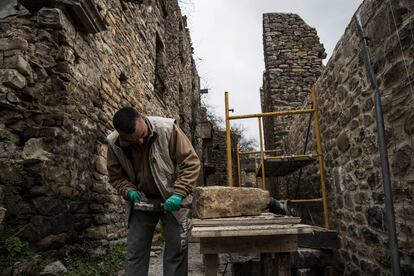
[[60, 84], [349, 134], [214, 153], [293, 62], [349, 139]]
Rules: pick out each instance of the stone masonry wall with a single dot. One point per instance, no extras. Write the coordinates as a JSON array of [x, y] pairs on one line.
[[349, 138], [215, 154], [60, 86], [293, 61]]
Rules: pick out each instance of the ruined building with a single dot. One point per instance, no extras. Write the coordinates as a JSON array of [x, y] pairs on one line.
[[293, 62], [349, 133], [65, 68], [214, 157]]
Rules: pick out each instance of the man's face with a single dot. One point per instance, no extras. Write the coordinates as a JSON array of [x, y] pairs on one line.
[[140, 134]]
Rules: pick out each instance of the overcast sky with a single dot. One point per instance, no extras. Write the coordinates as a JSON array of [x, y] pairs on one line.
[[227, 39]]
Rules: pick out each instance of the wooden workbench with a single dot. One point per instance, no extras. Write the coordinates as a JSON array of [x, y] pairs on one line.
[[264, 234]]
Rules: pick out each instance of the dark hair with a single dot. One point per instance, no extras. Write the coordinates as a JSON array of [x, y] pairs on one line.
[[125, 118]]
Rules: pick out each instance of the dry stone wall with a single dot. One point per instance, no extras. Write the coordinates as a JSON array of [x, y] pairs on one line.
[[293, 61], [349, 134], [349, 139], [60, 84], [214, 152]]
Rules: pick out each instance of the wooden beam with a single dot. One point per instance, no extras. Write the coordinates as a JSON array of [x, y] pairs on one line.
[[265, 218], [250, 230], [261, 244], [266, 264], [283, 264], [211, 262]]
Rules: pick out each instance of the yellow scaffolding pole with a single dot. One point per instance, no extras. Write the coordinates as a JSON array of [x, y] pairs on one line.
[[238, 164], [228, 142], [256, 169], [299, 156], [272, 114], [308, 200], [254, 152], [320, 156], [262, 154]]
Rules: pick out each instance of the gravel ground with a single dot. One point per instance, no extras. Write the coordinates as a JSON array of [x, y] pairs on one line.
[[195, 263]]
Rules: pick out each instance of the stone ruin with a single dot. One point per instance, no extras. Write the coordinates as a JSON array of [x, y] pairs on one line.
[[293, 56], [65, 68]]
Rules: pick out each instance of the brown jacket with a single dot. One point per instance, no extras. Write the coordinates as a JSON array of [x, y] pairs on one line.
[[165, 164]]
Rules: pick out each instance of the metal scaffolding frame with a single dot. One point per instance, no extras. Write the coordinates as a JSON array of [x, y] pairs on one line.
[[262, 151]]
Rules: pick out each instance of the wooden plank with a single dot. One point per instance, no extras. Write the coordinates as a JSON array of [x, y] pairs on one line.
[[283, 264], [211, 262], [250, 230], [266, 264], [254, 244], [265, 218], [283, 167]]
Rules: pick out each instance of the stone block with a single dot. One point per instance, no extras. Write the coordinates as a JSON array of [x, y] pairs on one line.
[[54, 269], [2, 214], [34, 149], [52, 18], [52, 242], [100, 165], [86, 15], [219, 201], [343, 142], [19, 63], [12, 78], [96, 233], [369, 236], [39, 132], [13, 43]]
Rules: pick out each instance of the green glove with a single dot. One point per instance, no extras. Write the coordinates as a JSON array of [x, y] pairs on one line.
[[173, 203], [134, 196]]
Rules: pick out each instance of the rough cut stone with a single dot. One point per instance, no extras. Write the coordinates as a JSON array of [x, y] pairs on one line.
[[33, 149], [2, 214], [100, 165], [218, 201], [52, 242], [343, 142], [19, 63], [13, 43], [55, 269], [12, 78], [51, 18]]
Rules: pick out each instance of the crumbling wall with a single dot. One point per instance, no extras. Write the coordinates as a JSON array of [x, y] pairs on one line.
[[215, 152], [349, 134], [293, 61], [349, 138], [60, 84]]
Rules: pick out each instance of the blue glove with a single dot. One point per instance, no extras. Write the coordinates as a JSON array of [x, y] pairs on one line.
[[173, 203], [134, 196]]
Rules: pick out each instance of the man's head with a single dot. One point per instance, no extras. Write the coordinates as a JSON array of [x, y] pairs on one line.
[[130, 125]]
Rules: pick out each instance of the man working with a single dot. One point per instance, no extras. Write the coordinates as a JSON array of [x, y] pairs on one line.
[[151, 159]]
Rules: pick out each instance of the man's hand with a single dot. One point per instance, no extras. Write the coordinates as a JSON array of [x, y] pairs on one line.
[[173, 203], [134, 196]]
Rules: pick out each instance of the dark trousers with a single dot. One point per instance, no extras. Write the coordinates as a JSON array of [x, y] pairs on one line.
[[140, 232]]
